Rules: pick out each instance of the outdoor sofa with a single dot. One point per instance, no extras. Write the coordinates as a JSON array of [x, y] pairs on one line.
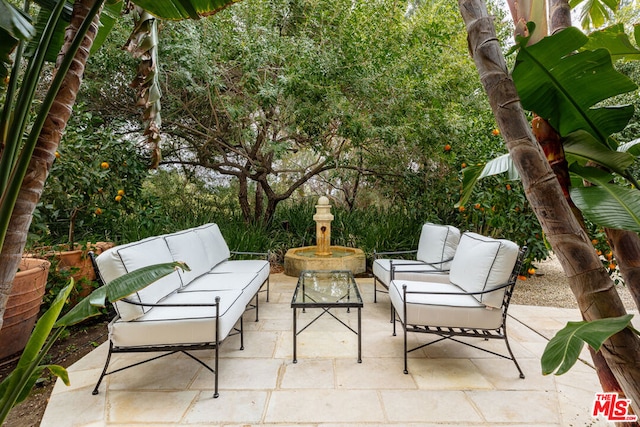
[[186, 310]]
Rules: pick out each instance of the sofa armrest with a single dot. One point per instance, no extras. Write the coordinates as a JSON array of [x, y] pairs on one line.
[[395, 263], [264, 255], [378, 255], [146, 304]]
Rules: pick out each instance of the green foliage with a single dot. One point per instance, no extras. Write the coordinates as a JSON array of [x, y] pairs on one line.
[[563, 350], [87, 194]]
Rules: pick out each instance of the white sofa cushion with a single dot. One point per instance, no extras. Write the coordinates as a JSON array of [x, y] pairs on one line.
[[247, 283], [127, 258], [405, 270], [461, 310], [187, 247], [259, 267], [180, 325], [438, 243], [482, 263], [216, 247]]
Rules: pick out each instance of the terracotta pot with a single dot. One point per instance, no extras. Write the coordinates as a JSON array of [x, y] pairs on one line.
[[79, 263], [23, 305]]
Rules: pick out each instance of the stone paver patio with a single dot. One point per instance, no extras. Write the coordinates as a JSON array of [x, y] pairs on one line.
[[448, 383]]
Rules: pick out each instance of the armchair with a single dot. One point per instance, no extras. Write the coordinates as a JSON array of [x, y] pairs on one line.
[[473, 302], [435, 251]]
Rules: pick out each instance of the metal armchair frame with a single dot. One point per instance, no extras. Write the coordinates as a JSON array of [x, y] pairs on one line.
[[451, 332]]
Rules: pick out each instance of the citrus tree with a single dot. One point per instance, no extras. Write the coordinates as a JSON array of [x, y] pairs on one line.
[[26, 160]]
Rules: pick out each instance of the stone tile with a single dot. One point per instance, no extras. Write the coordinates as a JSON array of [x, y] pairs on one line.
[[256, 344], [169, 373], [241, 373], [128, 407], [503, 374], [447, 374], [77, 407], [429, 406], [321, 406], [515, 406], [373, 373], [313, 373], [243, 407], [78, 380]]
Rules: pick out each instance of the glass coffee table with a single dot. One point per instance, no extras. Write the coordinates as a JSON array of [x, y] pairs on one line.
[[326, 290]]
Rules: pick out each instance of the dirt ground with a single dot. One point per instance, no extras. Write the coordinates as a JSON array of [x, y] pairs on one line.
[[547, 288]]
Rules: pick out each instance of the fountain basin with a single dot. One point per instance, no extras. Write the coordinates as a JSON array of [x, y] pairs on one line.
[[342, 258]]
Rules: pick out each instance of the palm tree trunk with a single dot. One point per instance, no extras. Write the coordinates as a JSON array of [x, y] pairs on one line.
[[589, 282], [44, 153], [626, 248]]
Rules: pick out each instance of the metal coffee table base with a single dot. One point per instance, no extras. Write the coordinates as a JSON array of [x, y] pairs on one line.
[[325, 310]]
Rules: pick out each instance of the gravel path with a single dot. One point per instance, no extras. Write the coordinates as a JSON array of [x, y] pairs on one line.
[[549, 287]]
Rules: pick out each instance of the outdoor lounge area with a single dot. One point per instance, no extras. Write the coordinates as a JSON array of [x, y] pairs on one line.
[[448, 384]]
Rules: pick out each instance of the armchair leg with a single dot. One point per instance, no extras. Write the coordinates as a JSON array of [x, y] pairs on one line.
[[406, 368]]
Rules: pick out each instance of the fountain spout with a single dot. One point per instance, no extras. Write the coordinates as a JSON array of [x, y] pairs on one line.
[[323, 218]]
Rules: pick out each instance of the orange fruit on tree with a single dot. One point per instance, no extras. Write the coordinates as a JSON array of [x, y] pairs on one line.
[[118, 198], [461, 209], [495, 132], [594, 241], [508, 187], [464, 165], [57, 155], [447, 147], [120, 192], [612, 265], [531, 271], [104, 165], [477, 206], [98, 211], [609, 255]]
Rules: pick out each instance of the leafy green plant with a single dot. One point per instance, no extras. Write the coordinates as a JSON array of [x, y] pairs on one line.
[[17, 385], [563, 350]]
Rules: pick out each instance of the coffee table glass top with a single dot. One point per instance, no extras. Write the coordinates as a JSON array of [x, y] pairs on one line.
[[326, 289]]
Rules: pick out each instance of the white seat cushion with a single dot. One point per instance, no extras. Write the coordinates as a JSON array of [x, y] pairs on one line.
[[482, 263], [438, 244], [460, 310], [260, 267], [180, 325], [248, 283], [405, 270]]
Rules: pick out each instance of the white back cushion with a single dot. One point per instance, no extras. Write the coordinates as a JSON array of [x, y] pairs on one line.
[[215, 246], [482, 263], [123, 259], [437, 244], [187, 247]]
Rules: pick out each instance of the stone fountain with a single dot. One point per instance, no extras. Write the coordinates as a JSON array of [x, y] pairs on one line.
[[323, 256]]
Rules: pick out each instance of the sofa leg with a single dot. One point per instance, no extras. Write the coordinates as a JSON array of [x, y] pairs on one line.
[[104, 371], [241, 333]]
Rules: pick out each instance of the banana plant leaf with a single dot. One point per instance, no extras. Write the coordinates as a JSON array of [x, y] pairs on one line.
[[472, 174], [616, 41], [16, 386], [183, 9], [582, 146], [14, 26], [117, 289], [606, 204], [563, 350], [110, 13], [563, 87], [632, 147], [594, 13]]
